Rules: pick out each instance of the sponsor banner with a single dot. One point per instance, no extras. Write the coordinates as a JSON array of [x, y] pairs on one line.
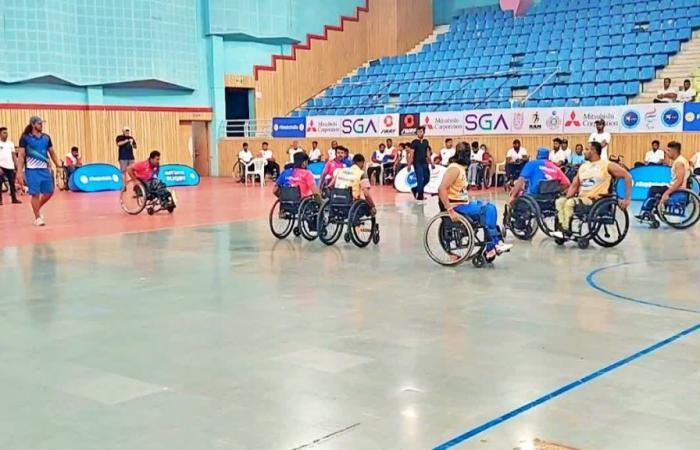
[[488, 121], [691, 117], [645, 177], [654, 118], [538, 121], [408, 123], [289, 127], [443, 123], [405, 180], [96, 178], [376, 125], [582, 120], [178, 175]]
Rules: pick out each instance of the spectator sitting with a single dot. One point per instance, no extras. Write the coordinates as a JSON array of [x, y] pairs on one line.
[[272, 169], [73, 161], [293, 150], [315, 153], [476, 166], [516, 158], [389, 161], [666, 95], [575, 160], [695, 164], [654, 157], [686, 93], [245, 157], [565, 148], [447, 153], [557, 155], [401, 160], [390, 149], [375, 168]]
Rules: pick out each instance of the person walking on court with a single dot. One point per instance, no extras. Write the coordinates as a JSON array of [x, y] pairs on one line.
[[36, 147], [8, 162], [126, 145], [419, 159]]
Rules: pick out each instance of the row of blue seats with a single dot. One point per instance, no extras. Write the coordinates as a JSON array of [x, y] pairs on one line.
[[624, 6]]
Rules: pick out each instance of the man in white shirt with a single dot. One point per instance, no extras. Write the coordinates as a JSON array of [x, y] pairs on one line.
[[602, 137], [272, 169], [516, 158], [375, 166], [477, 158], [686, 93], [565, 148], [315, 153], [667, 94], [447, 152], [8, 161], [557, 155], [293, 150], [331, 151], [390, 149], [654, 157], [245, 157]]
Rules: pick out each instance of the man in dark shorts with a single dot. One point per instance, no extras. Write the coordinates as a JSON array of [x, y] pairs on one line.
[[419, 159], [36, 148], [126, 145]]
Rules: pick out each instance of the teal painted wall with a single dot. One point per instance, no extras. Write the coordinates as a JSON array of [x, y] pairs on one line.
[[240, 57], [444, 10]]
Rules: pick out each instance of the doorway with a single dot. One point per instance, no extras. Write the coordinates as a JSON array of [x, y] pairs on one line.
[[200, 148], [237, 108]]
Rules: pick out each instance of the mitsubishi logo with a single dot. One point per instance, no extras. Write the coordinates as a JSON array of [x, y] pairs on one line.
[[572, 121], [312, 126]]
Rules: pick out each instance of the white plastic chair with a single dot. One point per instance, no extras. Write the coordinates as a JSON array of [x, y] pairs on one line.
[[500, 170], [256, 168]]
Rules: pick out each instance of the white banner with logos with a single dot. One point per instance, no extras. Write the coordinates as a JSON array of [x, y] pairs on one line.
[[376, 125], [647, 118]]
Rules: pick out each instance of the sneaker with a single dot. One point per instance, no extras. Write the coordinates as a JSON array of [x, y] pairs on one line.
[[502, 247], [557, 235], [491, 254], [39, 222], [642, 217]]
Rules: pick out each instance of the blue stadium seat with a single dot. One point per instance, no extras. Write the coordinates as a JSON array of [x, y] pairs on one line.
[[647, 73], [619, 101], [632, 88]]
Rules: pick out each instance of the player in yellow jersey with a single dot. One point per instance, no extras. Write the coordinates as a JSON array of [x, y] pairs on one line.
[[591, 183], [355, 178], [680, 172]]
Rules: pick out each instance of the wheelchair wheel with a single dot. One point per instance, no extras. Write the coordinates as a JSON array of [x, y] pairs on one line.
[[308, 218], [608, 223], [682, 210], [281, 222], [376, 237], [449, 242], [329, 228], [237, 172], [361, 224], [522, 219], [133, 197]]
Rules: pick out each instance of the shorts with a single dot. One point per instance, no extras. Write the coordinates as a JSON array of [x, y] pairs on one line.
[[39, 181], [124, 163]]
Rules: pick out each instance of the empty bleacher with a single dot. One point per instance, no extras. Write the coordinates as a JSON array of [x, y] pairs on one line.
[[561, 53]]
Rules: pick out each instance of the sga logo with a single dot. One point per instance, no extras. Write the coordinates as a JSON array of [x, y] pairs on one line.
[[358, 126], [485, 122]]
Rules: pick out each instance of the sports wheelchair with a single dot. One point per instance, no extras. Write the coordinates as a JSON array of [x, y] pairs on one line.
[[291, 213], [451, 242], [680, 212], [340, 210], [530, 212], [153, 196], [603, 222]]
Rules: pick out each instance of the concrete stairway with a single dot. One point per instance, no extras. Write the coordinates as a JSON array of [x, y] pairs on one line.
[[680, 67], [441, 29]]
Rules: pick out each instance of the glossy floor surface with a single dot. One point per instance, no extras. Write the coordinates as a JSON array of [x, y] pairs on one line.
[[201, 331]]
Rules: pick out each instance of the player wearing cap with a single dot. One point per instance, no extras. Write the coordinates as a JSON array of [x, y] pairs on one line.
[[36, 147]]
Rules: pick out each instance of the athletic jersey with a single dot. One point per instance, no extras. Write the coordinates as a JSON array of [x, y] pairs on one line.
[[351, 177], [675, 170], [540, 170], [144, 171], [36, 149], [595, 179], [301, 178], [330, 168], [459, 190]]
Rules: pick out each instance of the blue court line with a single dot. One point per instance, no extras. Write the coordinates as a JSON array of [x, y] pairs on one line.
[[564, 389], [590, 279]]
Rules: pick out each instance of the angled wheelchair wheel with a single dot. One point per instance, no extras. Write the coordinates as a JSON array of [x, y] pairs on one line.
[[449, 242], [608, 223], [308, 218], [681, 211], [522, 219], [236, 172], [361, 223], [133, 197], [329, 227], [281, 222]]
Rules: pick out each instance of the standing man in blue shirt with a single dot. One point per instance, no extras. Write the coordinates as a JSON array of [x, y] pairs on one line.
[[36, 147]]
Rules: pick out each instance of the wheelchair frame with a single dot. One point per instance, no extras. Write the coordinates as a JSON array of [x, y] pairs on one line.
[[540, 207], [462, 235], [299, 214], [673, 209], [146, 199], [341, 210], [596, 218]]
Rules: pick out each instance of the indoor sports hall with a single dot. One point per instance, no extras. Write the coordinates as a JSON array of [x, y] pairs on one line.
[[350, 224]]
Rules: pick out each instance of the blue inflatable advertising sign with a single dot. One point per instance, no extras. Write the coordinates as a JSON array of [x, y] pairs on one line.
[[645, 177], [96, 178], [178, 175]]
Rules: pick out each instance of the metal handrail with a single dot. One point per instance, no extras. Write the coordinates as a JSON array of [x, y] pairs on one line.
[[245, 128]]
